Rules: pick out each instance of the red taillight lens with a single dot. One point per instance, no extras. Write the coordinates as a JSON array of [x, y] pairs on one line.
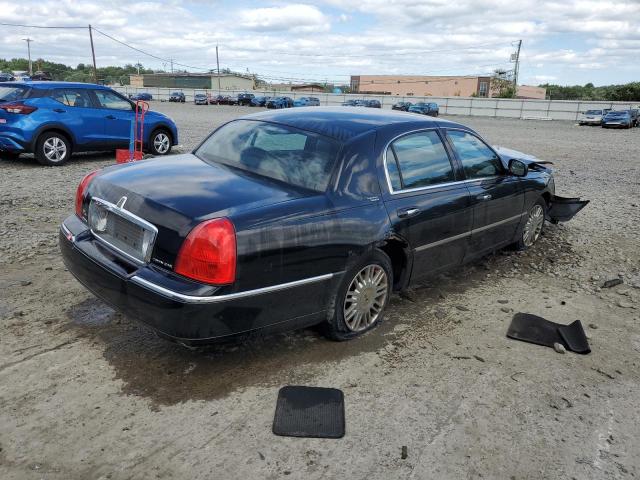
[[18, 107], [208, 254], [82, 188]]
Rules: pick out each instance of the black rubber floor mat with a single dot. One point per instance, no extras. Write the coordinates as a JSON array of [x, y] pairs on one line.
[[309, 412], [533, 329]]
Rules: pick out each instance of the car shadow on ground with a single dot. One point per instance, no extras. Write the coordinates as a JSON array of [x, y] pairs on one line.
[[167, 373]]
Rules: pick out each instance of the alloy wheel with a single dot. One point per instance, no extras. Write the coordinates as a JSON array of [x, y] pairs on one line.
[[55, 150], [533, 227], [161, 143], [365, 298]]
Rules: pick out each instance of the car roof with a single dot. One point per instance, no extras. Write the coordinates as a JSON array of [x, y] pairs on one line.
[[47, 85], [345, 123]]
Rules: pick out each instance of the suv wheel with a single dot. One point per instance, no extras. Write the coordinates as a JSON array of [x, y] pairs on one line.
[[160, 143], [362, 298], [52, 149]]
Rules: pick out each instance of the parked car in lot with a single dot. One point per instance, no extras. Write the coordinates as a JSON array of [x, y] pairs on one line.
[[201, 99], [284, 219], [6, 77], [372, 104], [177, 97], [401, 106], [306, 102], [425, 108], [592, 117], [634, 117], [259, 101], [55, 119], [244, 99], [617, 119], [226, 100], [145, 97], [42, 76], [280, 102], [349, 103]]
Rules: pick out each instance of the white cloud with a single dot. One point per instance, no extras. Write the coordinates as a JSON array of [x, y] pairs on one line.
[[572, 41], [295, 18]]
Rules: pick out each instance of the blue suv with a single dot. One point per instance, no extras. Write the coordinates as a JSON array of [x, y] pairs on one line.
[[54, 119]]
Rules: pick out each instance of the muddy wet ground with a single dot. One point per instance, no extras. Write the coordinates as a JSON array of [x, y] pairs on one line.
[[87, 393]]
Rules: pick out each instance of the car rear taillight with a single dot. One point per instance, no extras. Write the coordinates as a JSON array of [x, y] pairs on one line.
[[80, 193], [18, 107], [208, 254]]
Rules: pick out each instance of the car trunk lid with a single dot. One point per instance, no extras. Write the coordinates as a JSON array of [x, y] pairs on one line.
[[174, 194]]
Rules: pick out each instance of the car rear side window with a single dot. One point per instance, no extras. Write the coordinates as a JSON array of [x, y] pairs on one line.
[[297, 157], [418, 160], [107, 99], [11, 93], [72, 97], [478, 160]]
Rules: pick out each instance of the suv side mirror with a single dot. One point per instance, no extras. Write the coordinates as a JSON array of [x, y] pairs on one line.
[[518, 168]]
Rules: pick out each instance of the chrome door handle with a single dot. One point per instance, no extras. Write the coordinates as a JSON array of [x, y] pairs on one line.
[[409, 212], [484, 197]]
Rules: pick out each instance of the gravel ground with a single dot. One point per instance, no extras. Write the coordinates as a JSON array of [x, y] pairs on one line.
[[88, 394]]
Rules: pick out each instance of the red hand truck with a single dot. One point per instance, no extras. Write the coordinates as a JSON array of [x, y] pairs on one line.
[[137, 136]]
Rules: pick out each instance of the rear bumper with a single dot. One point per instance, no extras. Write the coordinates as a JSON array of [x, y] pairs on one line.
[[11, 142], [182, 310]]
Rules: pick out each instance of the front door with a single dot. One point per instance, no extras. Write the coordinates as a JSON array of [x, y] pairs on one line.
[[118, 115], [497, 196], [427, 204]]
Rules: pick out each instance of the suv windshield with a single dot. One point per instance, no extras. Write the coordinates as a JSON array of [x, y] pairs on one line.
[[284, 153], [12, 93]]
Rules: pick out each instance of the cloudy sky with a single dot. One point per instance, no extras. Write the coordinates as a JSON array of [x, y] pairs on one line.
[[565, 42]]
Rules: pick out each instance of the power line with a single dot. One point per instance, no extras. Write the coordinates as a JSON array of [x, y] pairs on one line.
[[40, 26], [415, 52]]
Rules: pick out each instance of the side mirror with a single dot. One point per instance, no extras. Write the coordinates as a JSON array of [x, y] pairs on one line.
[[518, 168]]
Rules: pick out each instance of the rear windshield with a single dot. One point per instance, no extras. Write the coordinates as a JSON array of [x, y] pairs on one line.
[[594, 112], [281, 152], [11, 93], [618, 114]]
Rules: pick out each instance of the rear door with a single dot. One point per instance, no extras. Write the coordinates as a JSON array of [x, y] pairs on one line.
[[497, 197], [427, 203], [75, 109], [117, 116]]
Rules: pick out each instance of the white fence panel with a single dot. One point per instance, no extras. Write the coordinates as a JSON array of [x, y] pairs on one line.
[[485, 107]]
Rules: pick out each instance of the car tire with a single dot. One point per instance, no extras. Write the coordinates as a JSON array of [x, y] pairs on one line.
[[345, 319], [53, 149], [160, 142], [533, 225]]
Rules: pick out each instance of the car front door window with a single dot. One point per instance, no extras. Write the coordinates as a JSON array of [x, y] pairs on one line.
[[107, 99], [478, 160]]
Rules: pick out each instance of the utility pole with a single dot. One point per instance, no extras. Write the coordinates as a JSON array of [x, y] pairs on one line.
[[93, 55], [28, 40], [218, 65], [171, 60], [517, 67]]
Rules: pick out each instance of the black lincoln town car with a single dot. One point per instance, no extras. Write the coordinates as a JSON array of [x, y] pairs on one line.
[[285, 219]]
